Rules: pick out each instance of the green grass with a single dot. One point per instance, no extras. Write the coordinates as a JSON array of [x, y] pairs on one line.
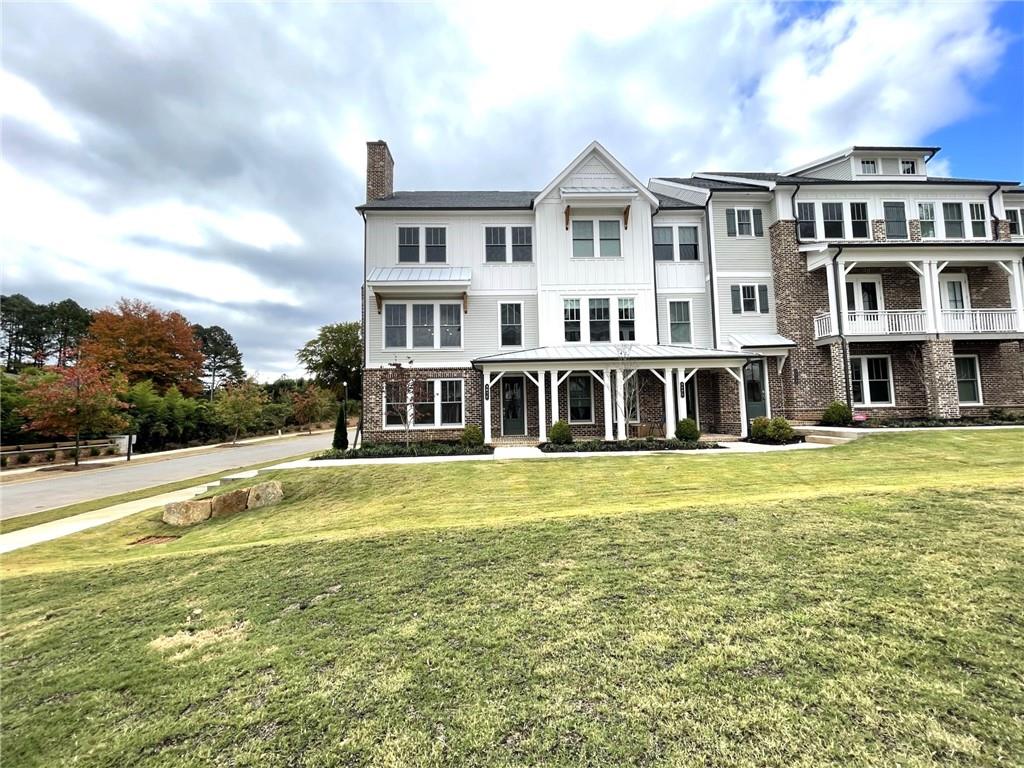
[[857, 606], [59, 513]]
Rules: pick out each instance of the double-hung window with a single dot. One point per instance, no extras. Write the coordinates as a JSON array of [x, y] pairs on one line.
[[423, 325], [611, 244], [581, 399], [663, 247], [977, 219], [494, 244], [832, 216], [1013, 216], [680, 328], [926, 213], [895, 221], [859, 220], [627, 320], [600, 320], [871, 378], [908, 167], [522, 243], [409, 245], [429, 403], [511, 325], [744, 222], [582, 239], [688, 247], [422, 244], [748, 299], [606, 233], [571, 311], [953, 218], [869, 167], [394, 325], [451, 325], [968, 379], [805, 223]]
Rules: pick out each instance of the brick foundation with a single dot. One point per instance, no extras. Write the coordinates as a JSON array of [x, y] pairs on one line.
[[373, 403]]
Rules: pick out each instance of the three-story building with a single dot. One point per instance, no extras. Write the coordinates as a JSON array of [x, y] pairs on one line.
[[621, 307]]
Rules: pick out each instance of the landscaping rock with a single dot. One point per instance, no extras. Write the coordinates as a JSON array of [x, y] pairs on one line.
[[182, 513], [231, 502], [265, 494]]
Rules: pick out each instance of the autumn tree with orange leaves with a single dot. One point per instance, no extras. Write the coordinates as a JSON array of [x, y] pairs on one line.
[[74, 401], [143, 343]]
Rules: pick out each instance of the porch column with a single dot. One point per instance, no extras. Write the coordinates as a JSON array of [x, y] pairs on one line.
[[1017, 292], [684, 407], [936, 292], [843, 309], [743, 398], [487, 407], [542, 406], [670, 404], [554, 396], [608, 405], [620, 402]]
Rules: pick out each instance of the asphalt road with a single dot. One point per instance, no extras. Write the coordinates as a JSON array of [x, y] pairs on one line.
[[47, 490]]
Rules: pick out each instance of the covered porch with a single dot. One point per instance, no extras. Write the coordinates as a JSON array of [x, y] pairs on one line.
[[616, 391]]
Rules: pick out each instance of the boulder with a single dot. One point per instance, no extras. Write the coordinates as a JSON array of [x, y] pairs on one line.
[[182, 513], [265, 494], [231, 502]]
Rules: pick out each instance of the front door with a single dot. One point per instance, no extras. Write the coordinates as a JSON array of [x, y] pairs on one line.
[[754, 390], [513, 405], [690, 393]]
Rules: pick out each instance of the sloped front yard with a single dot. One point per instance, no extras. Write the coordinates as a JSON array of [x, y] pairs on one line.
[[856, 606]]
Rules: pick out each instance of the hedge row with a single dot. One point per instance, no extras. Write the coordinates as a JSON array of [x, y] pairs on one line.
[[400, 450], [612, 446]]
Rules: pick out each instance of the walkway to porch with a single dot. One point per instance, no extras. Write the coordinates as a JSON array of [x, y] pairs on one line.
[[604, 391]]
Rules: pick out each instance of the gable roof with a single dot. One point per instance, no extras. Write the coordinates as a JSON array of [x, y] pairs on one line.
[[595, 148]]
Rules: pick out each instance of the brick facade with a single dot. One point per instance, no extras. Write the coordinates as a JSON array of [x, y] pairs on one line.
[[878, 230], [373, 403], [1001, 366], [914, 230], [989, 286], [380, 171], [939, 376], [1002, 229]]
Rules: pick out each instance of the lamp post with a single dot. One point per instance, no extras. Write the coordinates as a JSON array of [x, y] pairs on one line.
[[344, 414]]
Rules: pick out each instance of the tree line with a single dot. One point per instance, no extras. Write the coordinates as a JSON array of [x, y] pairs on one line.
[[72, 372]]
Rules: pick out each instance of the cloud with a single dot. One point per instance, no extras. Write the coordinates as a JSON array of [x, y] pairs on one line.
[[208, 156]]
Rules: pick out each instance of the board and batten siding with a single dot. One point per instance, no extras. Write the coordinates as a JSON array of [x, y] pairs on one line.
[[480, 331], [700, 317], [464, 245]]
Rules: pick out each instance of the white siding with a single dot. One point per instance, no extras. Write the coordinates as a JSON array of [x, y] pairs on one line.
[[744, 323], [741, 253], [480, 332], [837, 170]]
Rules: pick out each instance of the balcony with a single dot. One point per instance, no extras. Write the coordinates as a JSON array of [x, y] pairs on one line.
[[915, 322]]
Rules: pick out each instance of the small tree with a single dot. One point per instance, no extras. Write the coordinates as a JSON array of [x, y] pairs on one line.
[[311, 405], [398, 396], [70, 401], [340, 441], [240, 406]]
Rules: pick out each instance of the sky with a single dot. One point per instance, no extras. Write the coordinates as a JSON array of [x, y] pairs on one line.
[[208, 157]]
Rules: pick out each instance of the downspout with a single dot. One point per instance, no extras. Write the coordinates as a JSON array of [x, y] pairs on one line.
[[711, 268], [840, 285], [792, 208], [657, 323], [992, 211]]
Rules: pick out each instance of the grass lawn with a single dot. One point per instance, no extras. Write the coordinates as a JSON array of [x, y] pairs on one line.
[[857, 606], [59, 513]]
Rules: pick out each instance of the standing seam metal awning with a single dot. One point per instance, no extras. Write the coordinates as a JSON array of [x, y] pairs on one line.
[[610, 353]]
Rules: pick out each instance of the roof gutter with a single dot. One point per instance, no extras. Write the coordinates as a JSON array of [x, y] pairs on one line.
[[711, 268], [992, 210], [792, 207], [840, 285]]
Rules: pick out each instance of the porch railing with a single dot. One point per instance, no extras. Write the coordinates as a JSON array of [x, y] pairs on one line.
[[885, 322], [978, 320], [822, 325]]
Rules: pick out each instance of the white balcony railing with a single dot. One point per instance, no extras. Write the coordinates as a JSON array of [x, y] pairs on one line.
[[978, 320], [884, 322], [822, 325]]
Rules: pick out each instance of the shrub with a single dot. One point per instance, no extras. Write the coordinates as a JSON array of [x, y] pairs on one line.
[[837, 415], [3, 461], [398, 450], [110, 451], [24, 458], [687, 430], [759, 428], [94, 451], [611, 446], [70, 453], [51, 455], [780, 430], [560, 433], [472, 435]]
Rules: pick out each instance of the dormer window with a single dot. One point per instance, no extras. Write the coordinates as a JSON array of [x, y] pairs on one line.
[[869, 167], [908, 167]]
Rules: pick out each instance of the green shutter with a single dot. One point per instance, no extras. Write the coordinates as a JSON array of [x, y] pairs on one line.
[[762, 298], [730, 222], [758, 228], [736, 307]]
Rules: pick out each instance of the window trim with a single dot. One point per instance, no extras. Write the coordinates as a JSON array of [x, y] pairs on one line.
[[522, 325], [578, 320], [595, 233], [813, 221], [757, 299], [508, 243], [613, 315], [906, 221], [410, 400], [841, 220], [422, 243], [620, 320], [963, 222], [689, 322], [749, 210], [1018, 219], [677, 243], [409, 325], [865, 389], [969, 221], [934, 219], [568, 397], [954, 277], [865, 277], [913, 160], [613, 320], [866, 219], [878, 166], [977, 380]]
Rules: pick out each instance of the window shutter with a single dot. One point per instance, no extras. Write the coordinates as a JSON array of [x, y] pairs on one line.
[[762, 298], [736, 300], [730, 222], [758, 228]]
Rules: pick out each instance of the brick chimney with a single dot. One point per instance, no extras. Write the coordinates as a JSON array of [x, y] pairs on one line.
[[380, 171]]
